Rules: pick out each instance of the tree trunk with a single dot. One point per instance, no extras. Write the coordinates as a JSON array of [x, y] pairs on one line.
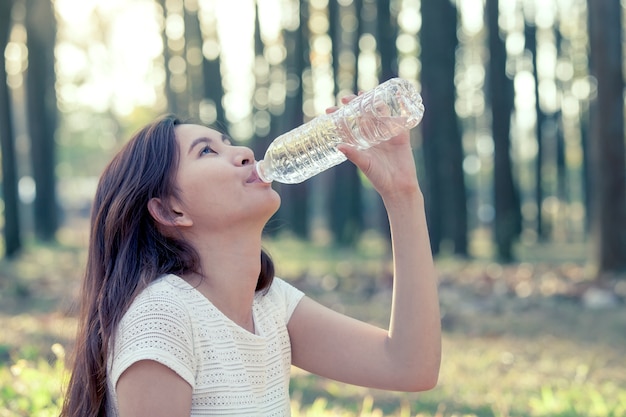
[[530, 34], [212, 109], [345, 206], [563, 192], [443, 152], [262, 119], [387, 35], [193, 54], [608, 199], [42, 113], [7, 145], [295, 198], [170, 94], [506, 198]]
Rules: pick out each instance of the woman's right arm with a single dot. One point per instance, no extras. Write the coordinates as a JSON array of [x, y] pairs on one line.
[[150, 389], [151, 362], [406, 356]]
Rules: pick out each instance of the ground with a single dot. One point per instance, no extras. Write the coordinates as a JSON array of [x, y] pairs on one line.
[[533, 338]]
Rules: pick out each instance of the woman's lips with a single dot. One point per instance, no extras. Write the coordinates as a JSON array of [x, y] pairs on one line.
[[254, 177]]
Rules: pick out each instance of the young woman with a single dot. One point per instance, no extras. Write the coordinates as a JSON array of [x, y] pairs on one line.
[[182, 314]]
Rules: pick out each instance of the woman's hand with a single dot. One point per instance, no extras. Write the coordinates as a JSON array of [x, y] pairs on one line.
[[389, 165]]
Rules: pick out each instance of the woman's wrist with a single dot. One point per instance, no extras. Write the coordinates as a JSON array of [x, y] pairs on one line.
[[403, 196]]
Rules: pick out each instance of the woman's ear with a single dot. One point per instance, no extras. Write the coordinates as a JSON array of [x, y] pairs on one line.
[[166, 215]]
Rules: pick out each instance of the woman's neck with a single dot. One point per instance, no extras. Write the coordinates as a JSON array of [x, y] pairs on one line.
[[229, 273]]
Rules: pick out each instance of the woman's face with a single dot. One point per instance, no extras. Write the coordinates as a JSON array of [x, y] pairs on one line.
[[217, 183]]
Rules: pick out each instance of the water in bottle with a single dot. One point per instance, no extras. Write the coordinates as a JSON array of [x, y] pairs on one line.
[[369, 119]]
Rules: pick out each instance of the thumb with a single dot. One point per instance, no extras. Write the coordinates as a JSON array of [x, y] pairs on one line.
[[356, 156]]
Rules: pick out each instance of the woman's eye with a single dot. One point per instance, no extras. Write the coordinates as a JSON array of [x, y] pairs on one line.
[[206, 150]]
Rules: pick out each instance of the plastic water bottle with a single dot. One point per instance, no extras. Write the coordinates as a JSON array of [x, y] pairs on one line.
[[369, 119]]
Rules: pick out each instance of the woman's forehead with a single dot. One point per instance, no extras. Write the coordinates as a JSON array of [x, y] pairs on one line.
[[189, 132]]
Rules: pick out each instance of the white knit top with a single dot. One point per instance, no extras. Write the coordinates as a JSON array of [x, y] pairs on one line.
[[232, 371]]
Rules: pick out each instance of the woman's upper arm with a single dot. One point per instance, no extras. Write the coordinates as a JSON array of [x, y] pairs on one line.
[[148, 388], [335, 346]]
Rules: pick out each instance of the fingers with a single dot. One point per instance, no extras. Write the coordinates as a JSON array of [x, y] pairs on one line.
[[348, 98], [353, 154], [344, 100]]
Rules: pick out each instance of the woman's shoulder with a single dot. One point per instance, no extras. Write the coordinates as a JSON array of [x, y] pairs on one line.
[[282, 288], [167, 295], [283, 295], [167, 285]]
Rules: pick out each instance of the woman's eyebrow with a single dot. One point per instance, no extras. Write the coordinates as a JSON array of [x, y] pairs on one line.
[[208, 141], [197, 141]]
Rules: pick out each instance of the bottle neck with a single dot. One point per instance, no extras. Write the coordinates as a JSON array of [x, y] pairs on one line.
[[259, 167]]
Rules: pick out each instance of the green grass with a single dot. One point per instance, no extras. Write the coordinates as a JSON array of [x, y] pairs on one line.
[[32, 387], [506, 352]]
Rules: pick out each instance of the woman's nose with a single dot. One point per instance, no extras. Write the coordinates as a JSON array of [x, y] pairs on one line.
[[244, 156]]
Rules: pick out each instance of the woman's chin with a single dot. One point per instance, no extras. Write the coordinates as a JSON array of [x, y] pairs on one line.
[[275, 208]]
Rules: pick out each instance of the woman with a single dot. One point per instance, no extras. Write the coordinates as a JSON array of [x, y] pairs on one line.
[[181, 312]]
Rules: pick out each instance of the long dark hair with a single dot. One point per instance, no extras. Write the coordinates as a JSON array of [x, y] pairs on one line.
[[126, 253]]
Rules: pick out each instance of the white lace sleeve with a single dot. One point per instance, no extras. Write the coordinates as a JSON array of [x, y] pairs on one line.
[[286, 296], [156, 327]]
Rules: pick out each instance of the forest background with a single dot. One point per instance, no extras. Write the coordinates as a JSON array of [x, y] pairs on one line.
[[521, 156]]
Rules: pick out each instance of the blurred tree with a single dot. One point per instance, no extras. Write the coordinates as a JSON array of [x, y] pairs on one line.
[[264, 123], [212, 107], [506, 197], [42, 112], [530, 37], [169, 61], [193, 58], [294, 210], [607, 164], [387, 34], [267, 124], [562, 190], [7, 141], [345, 205], [358, 12], [443, 152]]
